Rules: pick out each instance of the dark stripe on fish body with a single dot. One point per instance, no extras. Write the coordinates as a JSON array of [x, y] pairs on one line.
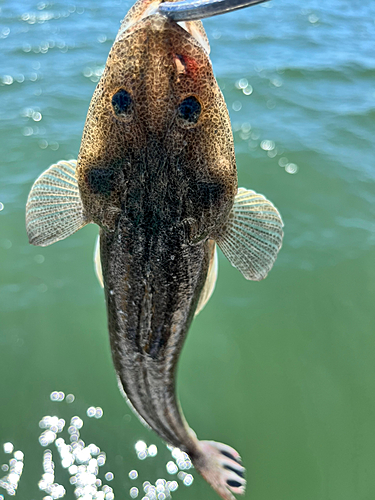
[[157, 342], [229, 455], [234, 484], [238, 472]]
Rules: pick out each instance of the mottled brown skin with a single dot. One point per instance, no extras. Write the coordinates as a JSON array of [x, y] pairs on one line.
[[159, 188]]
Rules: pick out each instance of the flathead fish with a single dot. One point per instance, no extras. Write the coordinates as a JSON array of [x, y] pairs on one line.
[[156, 172]]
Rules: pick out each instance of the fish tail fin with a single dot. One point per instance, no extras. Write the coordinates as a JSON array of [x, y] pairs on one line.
[[221, 467]]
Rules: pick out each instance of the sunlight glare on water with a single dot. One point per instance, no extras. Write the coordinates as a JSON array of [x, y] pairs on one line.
[[85, 463]]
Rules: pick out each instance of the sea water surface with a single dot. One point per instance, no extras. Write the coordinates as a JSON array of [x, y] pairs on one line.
[[284, 369]]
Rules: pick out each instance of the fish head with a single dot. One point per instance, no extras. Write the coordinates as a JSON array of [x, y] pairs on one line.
[[158, 132]]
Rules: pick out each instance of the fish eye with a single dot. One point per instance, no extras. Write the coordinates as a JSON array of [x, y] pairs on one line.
[[122, 103], [189, 110]]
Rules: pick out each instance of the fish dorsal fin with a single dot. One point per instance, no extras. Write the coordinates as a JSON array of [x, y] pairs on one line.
[[253, 235], [98, 263], [209, 284], [54, 208]]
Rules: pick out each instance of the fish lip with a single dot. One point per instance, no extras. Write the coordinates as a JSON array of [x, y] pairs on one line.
[[156, 20]]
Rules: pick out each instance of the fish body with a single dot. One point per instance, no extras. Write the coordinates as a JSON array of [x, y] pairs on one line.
[[156, 172]]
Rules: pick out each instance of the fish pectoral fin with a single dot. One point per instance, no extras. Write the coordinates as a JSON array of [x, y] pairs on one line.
[[54, 208], [209, 285], [98, 262], [253, 235]]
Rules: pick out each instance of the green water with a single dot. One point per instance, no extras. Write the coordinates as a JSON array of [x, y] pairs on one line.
[[282, 370]]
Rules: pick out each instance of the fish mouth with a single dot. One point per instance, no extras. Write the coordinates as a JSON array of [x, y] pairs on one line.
[[186, 13], [150, 10]]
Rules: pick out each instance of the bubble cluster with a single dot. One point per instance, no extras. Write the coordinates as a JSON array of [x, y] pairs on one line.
[[267, 145], [44, 47], [182, 459], [47, 15], [34, 114], [19, 78], [52, 426], [187, 479], [84, 463], [94, 412], [290, 168], [81, 461], [143, 451], [57, 396], [94, 73], [244, 85], [161, 490], [252, 137], [43, 144], [47, 483], [10, 482], [171, 468]]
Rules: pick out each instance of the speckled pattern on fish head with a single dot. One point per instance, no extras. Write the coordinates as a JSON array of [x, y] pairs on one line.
[[158, 114]]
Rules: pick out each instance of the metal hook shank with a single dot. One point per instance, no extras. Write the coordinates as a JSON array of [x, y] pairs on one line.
[[192, 10]]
